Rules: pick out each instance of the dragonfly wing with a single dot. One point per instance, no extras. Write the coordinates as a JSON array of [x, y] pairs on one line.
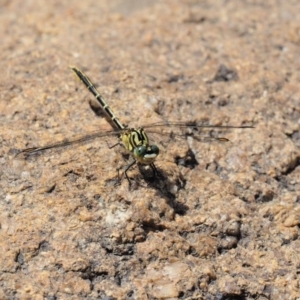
[[200, 132], [199, 136], [69, 142], [193, 124]]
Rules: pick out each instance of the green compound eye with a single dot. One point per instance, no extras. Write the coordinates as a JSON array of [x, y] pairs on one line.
[[147, 153], [140, 151], [154, 149]]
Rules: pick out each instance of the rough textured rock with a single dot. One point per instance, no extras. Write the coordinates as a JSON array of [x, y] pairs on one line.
[[221, 221]]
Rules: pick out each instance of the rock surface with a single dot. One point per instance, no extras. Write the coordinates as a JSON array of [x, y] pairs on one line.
[[221, 221]]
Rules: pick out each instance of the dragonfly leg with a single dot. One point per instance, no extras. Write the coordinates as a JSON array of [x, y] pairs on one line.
[[112, 146], [127, 168], [154, 169]]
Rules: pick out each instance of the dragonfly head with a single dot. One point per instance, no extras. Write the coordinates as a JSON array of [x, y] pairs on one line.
[[146, 154]]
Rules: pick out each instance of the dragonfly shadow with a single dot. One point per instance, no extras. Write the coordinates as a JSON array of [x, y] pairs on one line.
[[165, 186], [99, 112]]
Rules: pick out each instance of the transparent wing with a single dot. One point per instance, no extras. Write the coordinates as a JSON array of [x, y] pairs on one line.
[[194, 124], [171, 129], [200, 132], [69, 142]]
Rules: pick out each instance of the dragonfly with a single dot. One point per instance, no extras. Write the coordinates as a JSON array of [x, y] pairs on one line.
[[134, 140]]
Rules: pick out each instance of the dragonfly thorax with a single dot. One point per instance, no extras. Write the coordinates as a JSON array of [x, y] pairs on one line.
[[137, 142]]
